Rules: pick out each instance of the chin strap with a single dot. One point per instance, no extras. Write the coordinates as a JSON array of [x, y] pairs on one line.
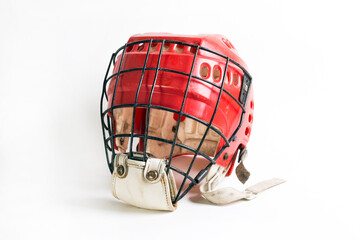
[[228, 194]]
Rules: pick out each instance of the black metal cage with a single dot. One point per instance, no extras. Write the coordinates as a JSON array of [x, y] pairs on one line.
[[108, 126]]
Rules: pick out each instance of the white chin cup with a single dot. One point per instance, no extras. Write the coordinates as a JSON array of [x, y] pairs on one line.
[[143, 184]]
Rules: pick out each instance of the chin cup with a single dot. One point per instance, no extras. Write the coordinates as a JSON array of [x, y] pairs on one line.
[[143, 184]]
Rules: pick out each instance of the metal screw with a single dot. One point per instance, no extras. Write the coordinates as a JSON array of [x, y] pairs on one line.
[[235, 138], [226, 156], [120, 170], [152, 175]]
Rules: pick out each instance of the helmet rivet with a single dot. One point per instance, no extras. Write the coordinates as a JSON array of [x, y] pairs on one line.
[[235, 138], [152, 175], [226, 156], [120, 170]]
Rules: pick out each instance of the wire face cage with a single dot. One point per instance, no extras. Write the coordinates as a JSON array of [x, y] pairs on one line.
[[137, 80]]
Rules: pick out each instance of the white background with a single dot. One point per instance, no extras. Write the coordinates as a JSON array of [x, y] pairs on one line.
[[304, 59]]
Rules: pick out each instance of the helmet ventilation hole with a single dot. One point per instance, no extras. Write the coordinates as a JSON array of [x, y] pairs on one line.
[[141, 47], [216, 73], [204, 70], [166, 47], [247, 131], [250, 118], [153, 47], [129, 48], [235, 79], [252, 104], [179, 48]]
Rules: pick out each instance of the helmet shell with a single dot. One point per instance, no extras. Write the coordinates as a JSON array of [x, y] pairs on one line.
[[170, 86]]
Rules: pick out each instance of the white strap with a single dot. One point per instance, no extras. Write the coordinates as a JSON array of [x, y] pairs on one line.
[[228, 194], [144, 185]]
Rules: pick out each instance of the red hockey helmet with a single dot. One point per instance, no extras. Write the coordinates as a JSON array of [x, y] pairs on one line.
[[168, 95]]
